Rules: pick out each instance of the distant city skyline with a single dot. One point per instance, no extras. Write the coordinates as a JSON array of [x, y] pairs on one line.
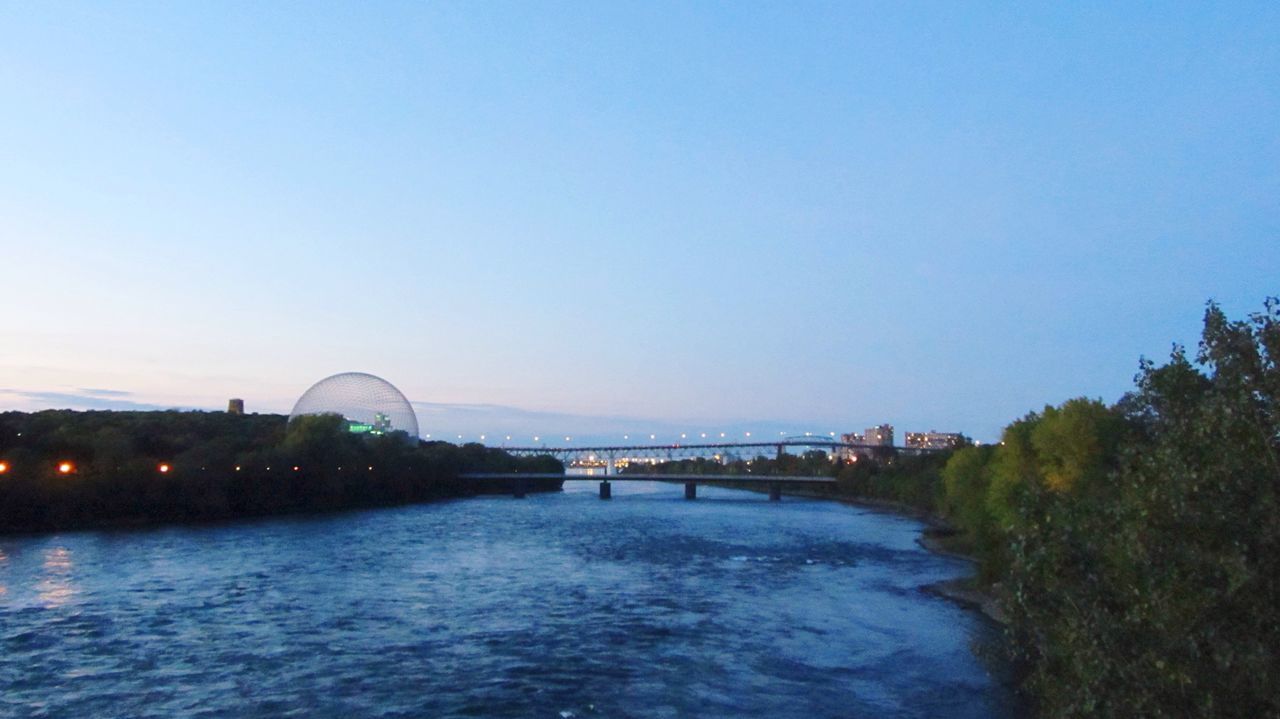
[[820, 216], [491, 424]]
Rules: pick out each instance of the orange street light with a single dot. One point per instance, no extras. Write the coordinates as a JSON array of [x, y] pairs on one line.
[[66, 468], [164, 468], [4, 467]]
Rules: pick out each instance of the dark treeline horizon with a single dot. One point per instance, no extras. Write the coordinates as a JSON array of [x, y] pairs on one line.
[[65, 469]]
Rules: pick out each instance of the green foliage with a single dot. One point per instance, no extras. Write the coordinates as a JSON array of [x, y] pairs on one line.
[[1067, 450], [966, 483], [965, 480], [1013, 469], [1077, 444], [1152, 588]]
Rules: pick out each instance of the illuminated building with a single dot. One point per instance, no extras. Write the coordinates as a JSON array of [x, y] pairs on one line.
[[933, 440], [369, 404], [880, 435]]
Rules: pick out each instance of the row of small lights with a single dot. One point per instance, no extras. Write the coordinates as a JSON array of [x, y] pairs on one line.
[[63, 467], [67, 467], [683, 435]]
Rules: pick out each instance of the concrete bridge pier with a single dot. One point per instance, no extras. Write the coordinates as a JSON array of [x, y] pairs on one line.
[[606, 490], [690, 490], [775, 491], [519, 488]]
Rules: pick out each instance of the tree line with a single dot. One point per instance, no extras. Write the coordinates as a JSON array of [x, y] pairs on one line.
[[63, 469], [1135, 547]]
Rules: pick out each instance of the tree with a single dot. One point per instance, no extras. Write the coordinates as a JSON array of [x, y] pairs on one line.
[[1076, 444], [1157, 592]]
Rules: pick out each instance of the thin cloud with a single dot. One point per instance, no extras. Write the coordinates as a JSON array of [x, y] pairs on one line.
[[85, 399], [105, 392]]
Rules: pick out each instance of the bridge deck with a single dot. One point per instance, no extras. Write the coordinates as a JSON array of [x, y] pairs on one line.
[[630, 477]]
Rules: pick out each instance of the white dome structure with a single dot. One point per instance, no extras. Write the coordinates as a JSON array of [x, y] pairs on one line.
[[371, 405]]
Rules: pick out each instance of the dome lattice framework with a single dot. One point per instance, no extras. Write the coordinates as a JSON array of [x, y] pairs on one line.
[[371, 405]]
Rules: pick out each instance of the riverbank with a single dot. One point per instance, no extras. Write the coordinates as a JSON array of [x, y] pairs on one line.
[[938, 537], [450, 493]]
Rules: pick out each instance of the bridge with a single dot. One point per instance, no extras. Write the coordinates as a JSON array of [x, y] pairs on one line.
[[518, 482], [608, 456]]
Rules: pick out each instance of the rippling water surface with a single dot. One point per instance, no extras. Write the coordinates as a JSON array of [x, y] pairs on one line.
[[553, 606]]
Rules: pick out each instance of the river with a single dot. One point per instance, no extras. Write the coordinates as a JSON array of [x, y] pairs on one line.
[[558, 605]]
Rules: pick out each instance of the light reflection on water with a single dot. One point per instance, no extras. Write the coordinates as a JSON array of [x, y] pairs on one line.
[[55, 588], [556, 605]]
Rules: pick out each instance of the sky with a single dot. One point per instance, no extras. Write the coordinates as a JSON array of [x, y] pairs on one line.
[[599, 218]]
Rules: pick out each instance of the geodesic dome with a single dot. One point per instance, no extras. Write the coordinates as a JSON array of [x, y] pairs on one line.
[[371, 405]]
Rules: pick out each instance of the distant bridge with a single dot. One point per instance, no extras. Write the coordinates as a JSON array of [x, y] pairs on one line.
[[517, 482], [609, 455]]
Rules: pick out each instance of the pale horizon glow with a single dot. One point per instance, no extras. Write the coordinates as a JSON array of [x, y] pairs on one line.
[[703, 217]]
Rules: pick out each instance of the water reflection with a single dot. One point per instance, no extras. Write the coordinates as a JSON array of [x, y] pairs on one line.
[[56, 588]]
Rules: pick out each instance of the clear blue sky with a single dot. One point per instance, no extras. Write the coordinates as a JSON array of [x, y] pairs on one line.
[[941, 215]]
